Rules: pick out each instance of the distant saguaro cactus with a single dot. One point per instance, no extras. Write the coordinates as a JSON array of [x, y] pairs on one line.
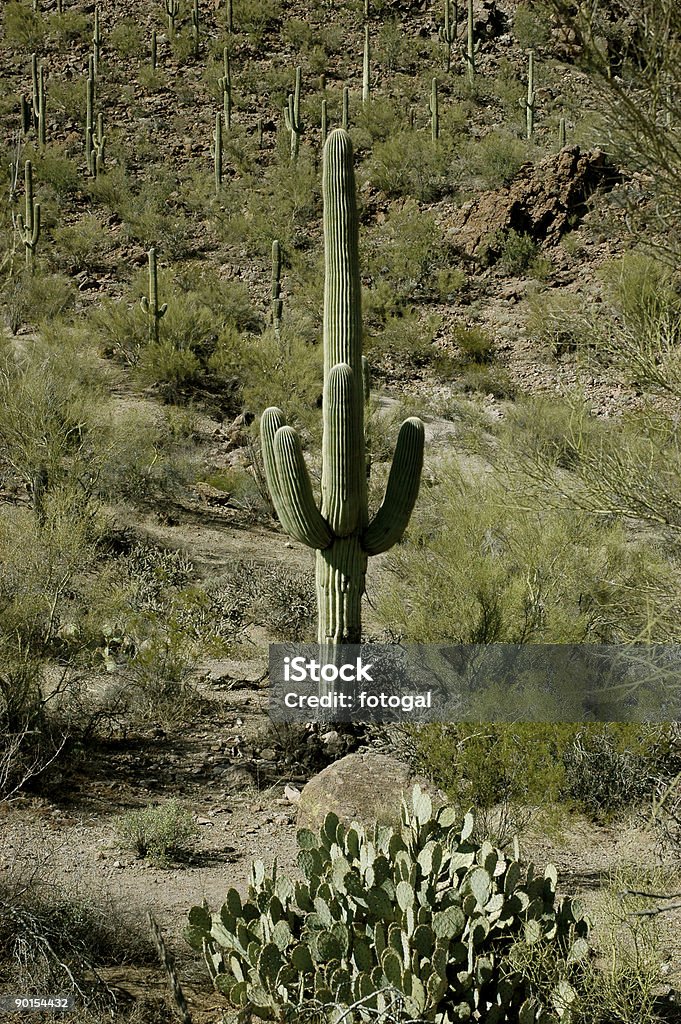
[[30, 223], [150, 305], [341, 531], [292, 116]]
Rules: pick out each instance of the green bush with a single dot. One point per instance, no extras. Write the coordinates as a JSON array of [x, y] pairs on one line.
[[474, 343], [422, 923], [517, 251], [25, 28], [597, 769], [160, 833], [126, 39], [494, 160], [520, 568], [409, 164], [531, 25]]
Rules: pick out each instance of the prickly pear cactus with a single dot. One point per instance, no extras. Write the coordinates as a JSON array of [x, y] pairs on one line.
[[341, 531], [419, 924]]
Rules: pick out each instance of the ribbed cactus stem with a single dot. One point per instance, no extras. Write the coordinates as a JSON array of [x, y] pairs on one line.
[[277, 304], [341, 531], [150, 305], [325, 122], [366, 67], [470, 44], [96, 40], [99, 145], [172, 10], [36, 117], [434, 112], [217, 151], [447, 32], [529, 103], [292, 115], [196, 28], [90, 118], [30, 223], [225, 83]]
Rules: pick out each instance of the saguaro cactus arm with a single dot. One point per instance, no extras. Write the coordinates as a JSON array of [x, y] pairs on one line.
[[289, 482], [390, 522]]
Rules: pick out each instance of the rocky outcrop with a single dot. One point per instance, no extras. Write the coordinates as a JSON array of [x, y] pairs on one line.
[[366, 787], [544, 200]]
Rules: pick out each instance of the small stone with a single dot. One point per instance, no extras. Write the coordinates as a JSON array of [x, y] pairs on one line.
[[268, 754]]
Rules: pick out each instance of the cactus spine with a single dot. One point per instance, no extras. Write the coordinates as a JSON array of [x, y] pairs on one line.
[[225, 84], [150, 305], [447, 32], [277, 303], [30, 223], [172, 10], [217, 152], [366, 67], [260, 132], [470, 45], [529, 103], [153, 49], [292, 116], [561, 133], [340, 531], [434, 112]]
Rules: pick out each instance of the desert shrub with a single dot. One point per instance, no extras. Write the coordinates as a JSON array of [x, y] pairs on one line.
[[597, 769], [70, 27], [55, 168], [486, 379], [405, 253], [54, 939], [161, 833], [271, 596], [644, 292], [405, 336], [548, 428], [407, 164], [562, 322], [520, 572], [126, 39], [517, 251], [25, 28], [531, 25], [495, 159], [67, 98], [36, 298], [451, 281], [346, 935], [82, 245], [475, 344], [375, 121]]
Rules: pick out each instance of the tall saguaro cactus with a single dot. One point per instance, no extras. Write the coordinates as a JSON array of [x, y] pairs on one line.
[[341, 531]]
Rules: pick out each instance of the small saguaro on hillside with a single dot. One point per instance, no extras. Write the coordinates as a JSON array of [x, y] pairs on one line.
[[341, 532]]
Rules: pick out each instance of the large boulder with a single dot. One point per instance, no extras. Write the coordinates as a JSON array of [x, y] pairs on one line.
[[365, 786], [544, 200]]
